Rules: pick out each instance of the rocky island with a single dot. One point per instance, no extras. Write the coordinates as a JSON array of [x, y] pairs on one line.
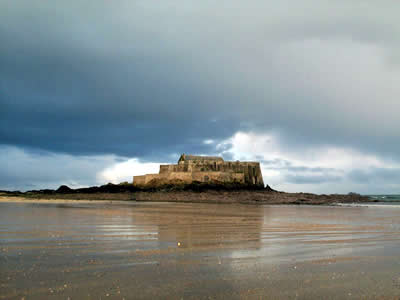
[[196, 179]]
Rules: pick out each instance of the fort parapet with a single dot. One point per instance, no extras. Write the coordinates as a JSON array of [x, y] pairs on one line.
[[204, 169]]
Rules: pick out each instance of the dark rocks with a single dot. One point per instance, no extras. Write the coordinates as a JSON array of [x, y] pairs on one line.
[[64, 190], [269, 189], [193, 192], [11, 193]]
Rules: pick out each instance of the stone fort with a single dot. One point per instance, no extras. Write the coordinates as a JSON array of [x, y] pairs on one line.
[[204, 169]]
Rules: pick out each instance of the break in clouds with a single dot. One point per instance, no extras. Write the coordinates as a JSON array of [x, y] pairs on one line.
[[92, 92]]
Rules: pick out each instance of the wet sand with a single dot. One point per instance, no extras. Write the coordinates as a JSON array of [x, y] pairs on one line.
[[137, 250], [6, 199]]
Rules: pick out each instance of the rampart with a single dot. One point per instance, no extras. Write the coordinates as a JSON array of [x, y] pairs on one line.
[[204, 169]]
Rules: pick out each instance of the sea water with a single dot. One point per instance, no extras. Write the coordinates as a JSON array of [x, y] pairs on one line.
[[385, 199]]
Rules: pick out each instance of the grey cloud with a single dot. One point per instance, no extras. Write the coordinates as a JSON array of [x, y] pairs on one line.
[[375, 175], [137, 79], [301, 174], [286, 165], [310, 169], [313, 179], [275, 163], [372, 178], [24, 169]]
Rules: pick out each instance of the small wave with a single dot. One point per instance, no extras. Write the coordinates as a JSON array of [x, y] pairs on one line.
[[381, 205], [385, 198]]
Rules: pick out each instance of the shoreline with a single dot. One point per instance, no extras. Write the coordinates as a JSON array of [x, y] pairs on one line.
[[5, 199]]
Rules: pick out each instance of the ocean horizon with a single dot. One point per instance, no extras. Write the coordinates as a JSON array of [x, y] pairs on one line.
[[392, 200]]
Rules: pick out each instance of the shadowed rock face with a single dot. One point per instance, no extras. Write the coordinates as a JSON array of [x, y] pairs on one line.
[[204, 169]]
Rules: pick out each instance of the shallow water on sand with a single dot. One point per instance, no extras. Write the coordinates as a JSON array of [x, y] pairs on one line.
[[171, 250]]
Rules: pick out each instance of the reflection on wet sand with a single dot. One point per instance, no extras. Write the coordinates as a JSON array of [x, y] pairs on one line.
[[171, 250]]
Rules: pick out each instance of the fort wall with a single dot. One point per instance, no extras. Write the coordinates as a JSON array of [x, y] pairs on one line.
[[205, 170]]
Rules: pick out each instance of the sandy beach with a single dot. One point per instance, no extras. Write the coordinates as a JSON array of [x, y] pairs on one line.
[[136, 250]]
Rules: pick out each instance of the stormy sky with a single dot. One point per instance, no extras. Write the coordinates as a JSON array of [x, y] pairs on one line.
[[98, 91]]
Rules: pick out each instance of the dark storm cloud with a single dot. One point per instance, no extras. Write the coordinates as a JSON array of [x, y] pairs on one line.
[[66, 92], [147, 80]]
